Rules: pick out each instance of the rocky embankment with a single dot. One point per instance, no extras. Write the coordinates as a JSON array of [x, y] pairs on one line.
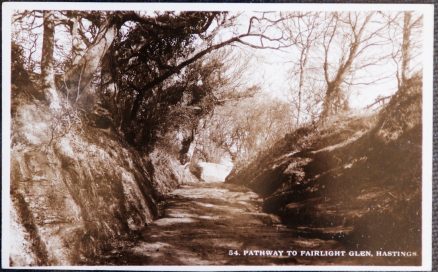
[[75, 185], [354, 179]]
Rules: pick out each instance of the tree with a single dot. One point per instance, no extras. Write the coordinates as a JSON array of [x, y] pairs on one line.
[[406, 54], [304, 32], [404, 34], [47, 62], [79, 76], [410, 24], [335, 100], [163, 53], [143, 59], [241, 129], [177, 67], [24, 35], [332, 54]]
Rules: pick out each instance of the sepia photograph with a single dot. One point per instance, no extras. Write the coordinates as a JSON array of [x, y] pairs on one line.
[[217, 136]]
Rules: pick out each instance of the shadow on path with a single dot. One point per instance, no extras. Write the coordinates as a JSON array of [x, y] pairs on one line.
[[203, 222]]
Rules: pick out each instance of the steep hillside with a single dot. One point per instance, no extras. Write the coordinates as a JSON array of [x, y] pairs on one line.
[[75, 185], [355, 179]]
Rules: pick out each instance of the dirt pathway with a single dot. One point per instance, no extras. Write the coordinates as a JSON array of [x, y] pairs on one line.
[[203, 222]]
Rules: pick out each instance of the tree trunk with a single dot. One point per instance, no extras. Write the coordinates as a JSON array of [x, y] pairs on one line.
[[406, 47], [76, 40], [334, 100], [303, 62], [47, 69], [79, 76], [327, 104]]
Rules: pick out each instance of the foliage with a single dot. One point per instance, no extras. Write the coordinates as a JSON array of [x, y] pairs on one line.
[[243, 128]]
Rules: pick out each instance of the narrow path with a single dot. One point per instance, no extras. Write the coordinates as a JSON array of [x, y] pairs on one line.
[[203, 222]]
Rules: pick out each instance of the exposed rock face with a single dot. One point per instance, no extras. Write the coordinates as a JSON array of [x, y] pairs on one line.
[[357, 179], [75, 188], [76, 185]]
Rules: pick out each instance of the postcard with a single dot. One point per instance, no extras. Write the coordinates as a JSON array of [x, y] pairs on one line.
[[226, 137]]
